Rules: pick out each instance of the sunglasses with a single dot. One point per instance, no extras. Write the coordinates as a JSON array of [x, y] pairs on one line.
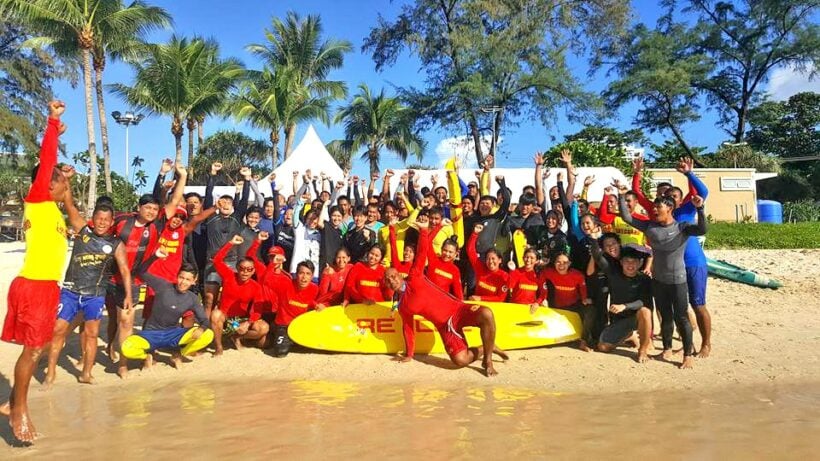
[[245, 269]]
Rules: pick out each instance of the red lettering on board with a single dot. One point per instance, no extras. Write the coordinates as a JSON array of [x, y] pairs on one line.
[[366, 324], [421, 328], [385, 325]]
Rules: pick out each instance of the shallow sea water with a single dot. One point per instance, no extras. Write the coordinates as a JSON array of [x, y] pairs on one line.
[[336, 420]]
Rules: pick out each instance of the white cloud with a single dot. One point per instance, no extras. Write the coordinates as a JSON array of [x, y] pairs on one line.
[[787, 81], [462, 147]]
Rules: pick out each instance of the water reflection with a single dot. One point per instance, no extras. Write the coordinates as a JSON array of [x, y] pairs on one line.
[[323, 419]]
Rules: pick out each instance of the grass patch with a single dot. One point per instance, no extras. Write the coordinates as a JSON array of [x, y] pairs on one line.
[[763, 236]]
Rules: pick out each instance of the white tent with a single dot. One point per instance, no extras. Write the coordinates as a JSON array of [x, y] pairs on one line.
[[309, 154]]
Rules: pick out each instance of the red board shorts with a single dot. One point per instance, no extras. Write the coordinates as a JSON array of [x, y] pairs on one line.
[[32, 312], [452, 332]]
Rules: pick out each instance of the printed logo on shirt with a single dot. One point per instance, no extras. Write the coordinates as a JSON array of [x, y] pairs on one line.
[[369, 283], [297, 304], [107, 249], [504, 288], [443, 274], [528, 287]]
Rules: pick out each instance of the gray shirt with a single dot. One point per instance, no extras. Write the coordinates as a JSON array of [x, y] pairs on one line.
[[170, 304], [668, 243]]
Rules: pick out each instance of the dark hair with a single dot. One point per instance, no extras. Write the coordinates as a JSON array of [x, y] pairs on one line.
[[192, 194], [528, 190], [55, 174], [104, 200], [632, 253], [452, 241], [663, 184], [488, 197], [435, 210], [493, 251], [226, 197], [391, 204], [610, 235], [359, 210], [584, 201], [253, 209], [526, 199], [675, 188], [306, 264], [666, 200], [334, 209], [343, 197], [632, 193], [145, 199], [376, 245], [343, 250], [104, 208], [468, 198], [439, 187], [245, 259], [189, 268], [531, 250], [558, 215], [425, 191], [373, 205]]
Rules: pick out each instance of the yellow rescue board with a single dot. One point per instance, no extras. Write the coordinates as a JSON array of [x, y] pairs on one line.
[[372, 329]]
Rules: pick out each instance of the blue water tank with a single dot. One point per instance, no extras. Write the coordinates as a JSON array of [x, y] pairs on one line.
[[769, 211]]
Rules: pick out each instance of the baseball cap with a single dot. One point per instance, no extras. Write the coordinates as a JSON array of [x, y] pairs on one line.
[[276, 250], [181, 210]]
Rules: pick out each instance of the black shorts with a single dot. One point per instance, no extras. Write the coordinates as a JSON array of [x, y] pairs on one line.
[[115, 295], [281, 341]]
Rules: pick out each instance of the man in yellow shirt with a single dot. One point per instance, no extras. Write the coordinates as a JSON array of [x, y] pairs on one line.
[[34, 294]]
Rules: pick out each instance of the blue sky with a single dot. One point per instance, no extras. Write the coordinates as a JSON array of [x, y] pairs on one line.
[[240, 22]]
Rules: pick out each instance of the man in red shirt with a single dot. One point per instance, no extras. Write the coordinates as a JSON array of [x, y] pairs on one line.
[[417, 295], [299, 297]]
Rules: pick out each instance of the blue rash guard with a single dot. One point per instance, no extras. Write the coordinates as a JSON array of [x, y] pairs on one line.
[[693, 255]]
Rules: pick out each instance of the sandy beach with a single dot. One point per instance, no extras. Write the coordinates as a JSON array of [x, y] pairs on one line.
[[760, 336]]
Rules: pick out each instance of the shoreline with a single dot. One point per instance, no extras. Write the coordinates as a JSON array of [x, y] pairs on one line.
[[761, 336]]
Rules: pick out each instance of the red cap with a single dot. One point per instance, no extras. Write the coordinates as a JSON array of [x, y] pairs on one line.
[[181, 210], [277, 250]]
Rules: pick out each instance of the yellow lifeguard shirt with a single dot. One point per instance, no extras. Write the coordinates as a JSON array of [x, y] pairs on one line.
[[46, 244]]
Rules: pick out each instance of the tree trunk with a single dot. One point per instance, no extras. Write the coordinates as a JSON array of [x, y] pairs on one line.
[[178, 131], [274, 151], [89, 127], [99, 65], [479, 152], [679, 136], [289, 134], [497, 121], [373, 155], [200, 131], [191, 128]]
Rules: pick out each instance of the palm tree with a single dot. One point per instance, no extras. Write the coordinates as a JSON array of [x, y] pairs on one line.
[[121, 37], [182, 78], [297, 44], [378, 122], [70, 28]]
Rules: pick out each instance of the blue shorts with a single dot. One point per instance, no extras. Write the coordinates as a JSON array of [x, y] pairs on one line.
[[164, 339], [696, 281], [72, 304]]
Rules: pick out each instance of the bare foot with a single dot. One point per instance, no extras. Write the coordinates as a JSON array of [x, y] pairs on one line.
[[122, 371], [86, 379], [497, 351], [687, 363], [5, 409], [111, 350], [237, 342], [489, 370], [633, 341], [642, 357], [584, 346], [48, 383], [176, 360], [666, 355], [218, 352], [705, 350], [21, 427], [148, 362]]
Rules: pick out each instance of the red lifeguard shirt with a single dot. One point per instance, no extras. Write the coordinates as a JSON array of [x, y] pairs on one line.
[[396, 260], [445, 275], [364, 283], [171, 242], [296, 302], [567, 289], [523, 286], [332, 286], [237, 299], [490, 285]]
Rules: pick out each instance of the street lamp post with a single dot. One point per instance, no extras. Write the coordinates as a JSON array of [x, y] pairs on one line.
[[492, 110], [127, 119], [733, 145]]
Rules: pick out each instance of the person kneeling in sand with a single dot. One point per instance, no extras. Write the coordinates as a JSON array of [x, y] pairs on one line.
[[417, 295], [84, 286], [162, 330], [630, 294]]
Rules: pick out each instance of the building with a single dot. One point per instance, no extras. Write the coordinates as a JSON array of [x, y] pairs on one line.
[[732, 191]]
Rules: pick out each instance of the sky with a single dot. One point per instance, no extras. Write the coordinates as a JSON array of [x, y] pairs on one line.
[[238, 23]]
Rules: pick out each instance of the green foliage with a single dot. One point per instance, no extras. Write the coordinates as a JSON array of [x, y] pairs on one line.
[[668, 154], [742, 156], [25, 88], [763, 236], [510, 55], [788, 186], [801, 211], [123, 193], [607, 135], [592, 154], [657, 69], [234, 150], [377, 122]]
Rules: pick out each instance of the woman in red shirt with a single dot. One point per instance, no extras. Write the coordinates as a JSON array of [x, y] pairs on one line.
[[365, 283], [568, 290], [401, 264], [492, 282], [442, 270], [240, 303], [332, 283], [524, 281]]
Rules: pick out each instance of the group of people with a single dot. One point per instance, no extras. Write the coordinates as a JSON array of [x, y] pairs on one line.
[[237, 269]]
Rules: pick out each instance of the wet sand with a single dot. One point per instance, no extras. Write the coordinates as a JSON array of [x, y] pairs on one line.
[[345, 420], [762, 338]]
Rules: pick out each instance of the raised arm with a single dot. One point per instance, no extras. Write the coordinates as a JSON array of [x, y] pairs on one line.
[[208, 201], [179, 191], [223, 269], [164, 168], [75, 219], [627, 216], [258, 200], [645, 203], [395, 257], [41, 185], [371, 189], [357, 196], [242, 205], [503, 210], [422, 250], [700, 227], [386, 184], [539, 187]]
